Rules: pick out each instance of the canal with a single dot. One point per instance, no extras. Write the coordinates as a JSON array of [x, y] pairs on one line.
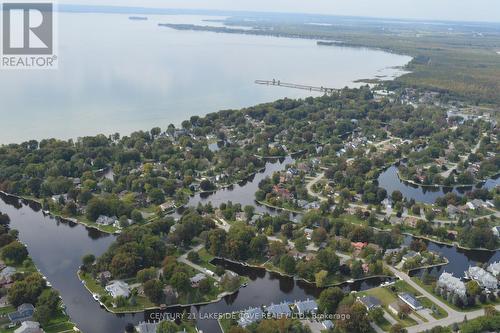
[[57, 248], [390, 181]]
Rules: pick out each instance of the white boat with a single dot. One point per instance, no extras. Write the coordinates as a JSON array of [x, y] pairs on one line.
[[96, 297]]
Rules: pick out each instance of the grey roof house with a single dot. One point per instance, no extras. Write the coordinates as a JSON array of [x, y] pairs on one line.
[[370, 302], [24, 313]]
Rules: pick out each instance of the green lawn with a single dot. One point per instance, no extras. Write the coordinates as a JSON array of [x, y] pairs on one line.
[[383, 294], [205, 259], [403, 287], [439, 313]]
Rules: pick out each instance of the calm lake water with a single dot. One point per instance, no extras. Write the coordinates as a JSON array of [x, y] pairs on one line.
[[57, 248], [390, 181], [121, 75]]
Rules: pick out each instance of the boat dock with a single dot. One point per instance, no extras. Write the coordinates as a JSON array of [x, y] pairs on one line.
[[278, 83]]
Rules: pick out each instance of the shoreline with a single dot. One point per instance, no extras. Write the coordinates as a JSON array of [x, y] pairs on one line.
[[58, 216], [453, 244], [296, 278], [443, 187], [110, 310]]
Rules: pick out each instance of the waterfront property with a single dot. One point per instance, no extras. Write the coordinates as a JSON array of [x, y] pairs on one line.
[[494, 269], [195, 280], [29, 327], [250, 316], [306, 307], [482, 277], [118, 288], [279, 310], [452, 284], [370, 302], [146, 327]]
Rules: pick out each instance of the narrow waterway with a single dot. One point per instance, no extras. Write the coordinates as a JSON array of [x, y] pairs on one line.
[[390, 181], [459, 259], [244, 192], [57, 248]]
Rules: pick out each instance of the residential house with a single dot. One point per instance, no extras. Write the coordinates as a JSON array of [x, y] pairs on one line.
[[57, 198], [496, 231], [168, 205], [370, 302], [452, 284], [106, 220], [118, 288], [494, 269], [29, 327], [6, 275], [195, 280], [395, 308], [278, 311], [282, 192], [306, 307], [358, 246], [482, 277], [412, 302], [250, 316], [410, 255], [104, 276], [24, 313], [308, 233], [145, 327]]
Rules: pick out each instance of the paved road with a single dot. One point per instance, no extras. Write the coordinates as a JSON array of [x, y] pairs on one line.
[[183, 259], [312, 183]]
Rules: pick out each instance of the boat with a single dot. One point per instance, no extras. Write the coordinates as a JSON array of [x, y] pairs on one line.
[[96, 297], [350, 281], [244, 285]]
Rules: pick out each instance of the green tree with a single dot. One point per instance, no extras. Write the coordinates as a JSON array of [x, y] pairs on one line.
[[167, 326], [287, 264], [329, 299], [15, 252], [153, 289], [43, 314], [88, 260], [180, 281], [320, 278]]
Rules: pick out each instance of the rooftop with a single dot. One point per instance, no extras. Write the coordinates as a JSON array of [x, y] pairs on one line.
[[370, 302], [306, 306]]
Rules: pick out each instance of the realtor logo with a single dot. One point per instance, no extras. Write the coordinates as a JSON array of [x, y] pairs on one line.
[[28, 35]]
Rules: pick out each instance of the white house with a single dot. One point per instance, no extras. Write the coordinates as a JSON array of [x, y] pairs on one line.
[[485, 279], [494, 268], [118, 288], [106, 220], [29, 327], [448, 282]]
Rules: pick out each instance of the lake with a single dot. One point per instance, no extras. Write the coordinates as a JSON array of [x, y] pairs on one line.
[[121, 75], [57, 248], [389, 180]]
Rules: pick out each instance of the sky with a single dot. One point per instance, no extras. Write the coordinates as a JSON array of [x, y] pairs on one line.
[[457, 10]]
